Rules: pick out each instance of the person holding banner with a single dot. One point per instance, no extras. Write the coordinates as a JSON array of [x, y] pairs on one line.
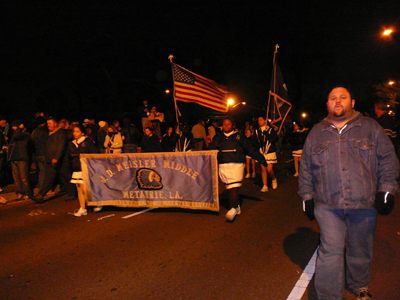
[[266, 137], [80, 144], [233, 147]]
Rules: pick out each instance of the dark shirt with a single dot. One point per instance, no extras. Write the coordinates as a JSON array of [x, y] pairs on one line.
[[39, 137], [151, 144], [131, 134]]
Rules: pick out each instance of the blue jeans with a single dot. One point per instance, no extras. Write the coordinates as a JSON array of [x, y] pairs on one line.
[[346, 246]]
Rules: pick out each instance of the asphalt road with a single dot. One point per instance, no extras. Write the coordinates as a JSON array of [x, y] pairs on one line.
[[47, 253]]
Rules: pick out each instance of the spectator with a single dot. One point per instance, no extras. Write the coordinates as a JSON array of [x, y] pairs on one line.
[[65, 124], [39, 137], [113, 141], [169, 140], [101, 137], [199, 135], [144, 112], [3, 153], [154, 120], [150, 142], [130, 137], [19, 156], [185, 140], [57, 162], [387, 122]]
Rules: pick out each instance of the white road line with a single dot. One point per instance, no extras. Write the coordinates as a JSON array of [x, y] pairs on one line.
[[305, 278], [137, 213]]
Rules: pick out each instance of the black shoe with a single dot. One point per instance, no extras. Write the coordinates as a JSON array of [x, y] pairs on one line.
[[37, 198]]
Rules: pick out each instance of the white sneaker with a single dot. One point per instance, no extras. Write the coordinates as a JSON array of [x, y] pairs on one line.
[[275, 184], [231, 214], [247, 175], [97, 208], [81, 212], [296, 175], [264, 189]]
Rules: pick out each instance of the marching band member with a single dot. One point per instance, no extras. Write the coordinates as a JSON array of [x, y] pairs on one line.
[[233, 147]]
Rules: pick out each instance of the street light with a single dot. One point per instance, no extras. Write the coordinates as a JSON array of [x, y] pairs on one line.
[[243, 103], [230, 102], [387, 32]]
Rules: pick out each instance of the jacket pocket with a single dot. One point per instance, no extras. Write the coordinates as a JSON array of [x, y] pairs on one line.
[[320, 154], [363, 149]]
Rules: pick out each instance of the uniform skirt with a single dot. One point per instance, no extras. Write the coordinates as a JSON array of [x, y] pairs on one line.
[[77, 177], [297, 153], [271, 158], [231, 174]]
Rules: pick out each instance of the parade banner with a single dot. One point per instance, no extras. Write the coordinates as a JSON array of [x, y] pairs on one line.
[[168, 179]]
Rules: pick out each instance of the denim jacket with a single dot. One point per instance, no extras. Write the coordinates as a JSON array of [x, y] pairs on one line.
[[345, 169]]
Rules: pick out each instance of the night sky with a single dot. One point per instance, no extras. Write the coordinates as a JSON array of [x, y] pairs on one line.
[[80, 59]]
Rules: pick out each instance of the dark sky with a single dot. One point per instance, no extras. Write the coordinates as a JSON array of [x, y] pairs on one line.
[[101, 58]]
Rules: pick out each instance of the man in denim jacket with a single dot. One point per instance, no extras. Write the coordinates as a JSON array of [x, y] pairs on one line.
[[348, 171]]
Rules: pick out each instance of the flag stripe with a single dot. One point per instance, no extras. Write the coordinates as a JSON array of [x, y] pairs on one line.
[[190, 87]]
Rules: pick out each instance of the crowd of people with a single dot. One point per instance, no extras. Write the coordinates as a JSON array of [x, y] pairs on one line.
[[347, 167], [54, 147]]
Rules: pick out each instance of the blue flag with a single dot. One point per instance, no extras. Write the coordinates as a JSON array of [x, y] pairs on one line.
[[278, 103]]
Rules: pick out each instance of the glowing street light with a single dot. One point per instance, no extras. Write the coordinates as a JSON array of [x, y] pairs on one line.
[[243, 103], [391, 82], [304, 115], [387, 32], [230, 102]]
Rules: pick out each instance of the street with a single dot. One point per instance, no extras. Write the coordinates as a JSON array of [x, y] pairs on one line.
[[47, 253]]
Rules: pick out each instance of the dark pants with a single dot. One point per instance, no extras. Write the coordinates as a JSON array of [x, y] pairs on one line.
[[40, 170], [63, 170], [198, 144], [130, 148], [20, 171]]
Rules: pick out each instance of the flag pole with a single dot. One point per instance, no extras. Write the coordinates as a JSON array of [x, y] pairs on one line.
[[269, 97], [170, 57], [276, 51]]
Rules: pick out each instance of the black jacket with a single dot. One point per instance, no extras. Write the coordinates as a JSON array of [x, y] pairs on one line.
[[233, 149], [266, 139], [75, 149], [131, 134], [297, 139], [39, 137], [151, 144], [56, 146], [19, 148]]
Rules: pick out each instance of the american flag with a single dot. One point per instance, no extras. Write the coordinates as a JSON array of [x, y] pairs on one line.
[[190, 87]]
